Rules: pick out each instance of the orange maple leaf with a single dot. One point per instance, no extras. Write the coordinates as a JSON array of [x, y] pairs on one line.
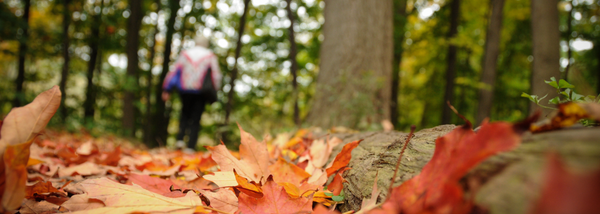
[[254, 158], [436, 188], [343, 158], [275, 200]]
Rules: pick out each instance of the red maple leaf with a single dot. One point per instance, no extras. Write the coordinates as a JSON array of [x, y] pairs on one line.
[[565, 192]]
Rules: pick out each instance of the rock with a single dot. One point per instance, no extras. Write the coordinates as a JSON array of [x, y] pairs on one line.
[[506, 183]]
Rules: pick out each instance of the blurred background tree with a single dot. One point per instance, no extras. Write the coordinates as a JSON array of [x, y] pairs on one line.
[[438, 50]]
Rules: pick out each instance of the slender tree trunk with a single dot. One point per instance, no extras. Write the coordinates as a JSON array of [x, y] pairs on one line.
[[451, 63], [66, 57], [148, 126], [294, 67], [22, 52], [598, 69], [546, 50], [234, 71], [183, 28], [569, 50], [90, 94], [490, 60], [133, 42], [161, 116], [399, 31], [353, 87]]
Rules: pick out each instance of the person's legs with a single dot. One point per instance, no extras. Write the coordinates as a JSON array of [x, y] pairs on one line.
[[186, 113], [196, 115]]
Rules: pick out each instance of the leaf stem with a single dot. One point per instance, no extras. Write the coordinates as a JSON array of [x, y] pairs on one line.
[[412, 131]]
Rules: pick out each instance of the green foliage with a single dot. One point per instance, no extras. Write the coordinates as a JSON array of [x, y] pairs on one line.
[[563, 88]]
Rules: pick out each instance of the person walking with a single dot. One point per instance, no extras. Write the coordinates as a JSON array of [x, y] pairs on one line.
[[197, 77]]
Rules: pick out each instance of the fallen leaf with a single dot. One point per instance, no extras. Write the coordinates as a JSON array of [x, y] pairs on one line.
[[343, 158], [19, 128], [157, 185], [15, 164], [284, 171], [87, 168], [275, 200], [320, 209], [24, 123], [223, 200], [34, 207], [566, 192], [254, 158], [82, 202], [121, 198], [567, 115], [222, 179], [248, 187], [40, 188], [436, 188], [337, 184]]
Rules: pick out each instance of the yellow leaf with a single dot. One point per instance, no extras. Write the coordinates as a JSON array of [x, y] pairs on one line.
[[121, 198], [33, 161]]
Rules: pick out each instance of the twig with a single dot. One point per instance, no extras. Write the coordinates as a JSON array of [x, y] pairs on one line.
[[412, 131]]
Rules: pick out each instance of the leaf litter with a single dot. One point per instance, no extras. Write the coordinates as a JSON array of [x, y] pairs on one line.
[[61, 172]]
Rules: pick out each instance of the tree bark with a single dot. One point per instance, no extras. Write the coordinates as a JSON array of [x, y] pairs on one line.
[[294, 67], [66, 57], [353, 87], [546, 52], [17, 102], [490, 60], [148, 126], [161, 116], [399, 24], [90, 94], [234, 71], [451, 63], [133, 42]]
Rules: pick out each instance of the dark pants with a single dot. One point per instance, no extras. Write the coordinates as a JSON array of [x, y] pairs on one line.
[[191, 112]]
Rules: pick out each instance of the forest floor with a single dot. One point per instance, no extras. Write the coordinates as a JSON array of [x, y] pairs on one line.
[[53, 171]]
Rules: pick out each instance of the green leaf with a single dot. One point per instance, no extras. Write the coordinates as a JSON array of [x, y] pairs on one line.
[[528, 96], [555, 100], [552, 83], [328, 194], [566, 92], [337, 198], [564, 84], [576, 96]]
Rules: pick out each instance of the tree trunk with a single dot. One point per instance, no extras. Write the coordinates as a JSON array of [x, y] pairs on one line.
[[161, 116], [90, 94], [234, 71], [294, 67], [490, 60], [569, 50], [133, 40], [399, 24], [451, 63], [148, 126], [65, 52], [353, 89], [18, 101], [546, 52]]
